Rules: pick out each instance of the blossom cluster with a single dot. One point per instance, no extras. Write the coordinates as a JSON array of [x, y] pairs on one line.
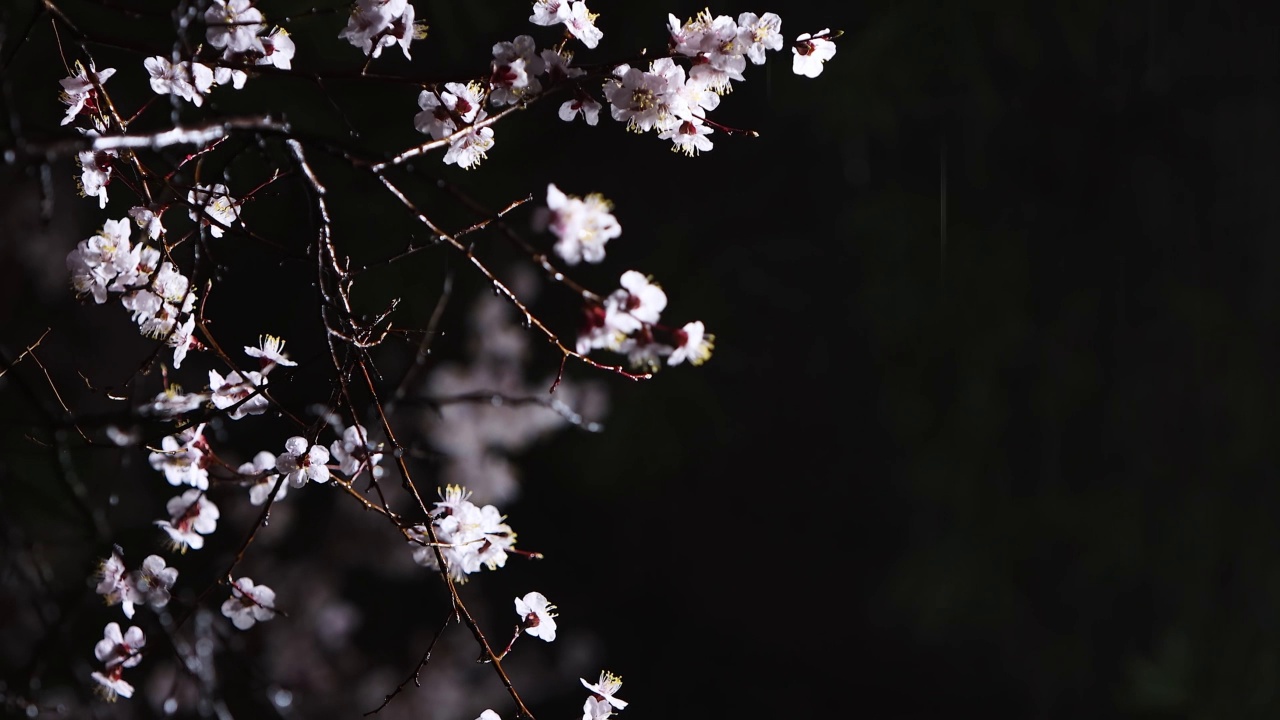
[[600, 704], [578, 21], [80, 93], [154, 291], [377, 24], [116, 651], [239, 30], [671, 96], [625, 321], [664, 98], [148, 585], [469, 537]]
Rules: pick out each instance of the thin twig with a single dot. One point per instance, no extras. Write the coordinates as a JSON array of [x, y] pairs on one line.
[[415, 676], [24, 353]]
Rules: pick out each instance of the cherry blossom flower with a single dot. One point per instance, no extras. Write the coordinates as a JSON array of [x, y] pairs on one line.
[[355, 452], [150, 584], [149, 221], [241, 392], [301, 463], [597, 332], [214, 207], [758, 33], [639, 98], [582, 225], [555, 64], [188, 80], [581, 103], [514, 69], [234, 25], [111, 578], [537, 616], [470, 147], [689, 137], [375, 24], [181, 339], [489, 715], [470, 536], [78, 91], [627, 310], [138, 267], [95, 173], [158, 308], [172, 402], [183, 458], [223, 75], [261, 469], [112, 685], [596, 709], [693, 343], [638, 302], [643, 351], [809, 52], [443, 109], [369, 19], [170, 284], [249, 604], [271, 351], [403, 31], [605, 687], [277, 49], [721, 59], [117, 649], [550, 12], [96, 262], [716, 42], [149, 311], [191, 516], [123, 437], [581, 23]]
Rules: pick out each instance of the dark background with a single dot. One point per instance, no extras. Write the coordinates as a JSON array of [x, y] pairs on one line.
[[989, 425]]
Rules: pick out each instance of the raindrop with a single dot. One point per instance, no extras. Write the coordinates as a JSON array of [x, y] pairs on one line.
[[397, 453], [170, 706]]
